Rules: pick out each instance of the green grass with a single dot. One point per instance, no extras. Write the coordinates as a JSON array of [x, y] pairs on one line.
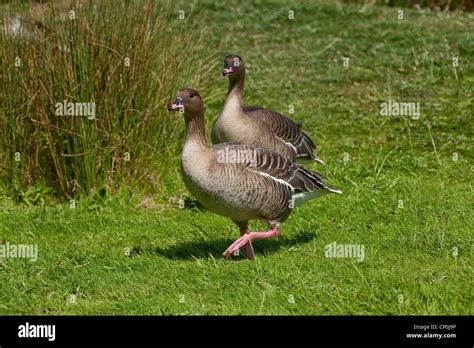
[[129, 254]]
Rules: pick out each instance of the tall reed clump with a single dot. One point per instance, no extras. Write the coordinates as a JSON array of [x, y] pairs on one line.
[[126, 57]]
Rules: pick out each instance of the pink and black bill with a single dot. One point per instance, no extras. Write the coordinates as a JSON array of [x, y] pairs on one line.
[[178, 104], [228, 69]]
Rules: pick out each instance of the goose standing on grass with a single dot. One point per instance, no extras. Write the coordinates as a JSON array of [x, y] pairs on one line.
[[241, 182], [257, 126]]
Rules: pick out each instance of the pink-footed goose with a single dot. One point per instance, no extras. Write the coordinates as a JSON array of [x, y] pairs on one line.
[[241, 182], [257, 126]]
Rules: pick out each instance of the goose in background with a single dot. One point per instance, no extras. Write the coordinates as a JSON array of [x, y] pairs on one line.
[[241, 182], [257, 126]]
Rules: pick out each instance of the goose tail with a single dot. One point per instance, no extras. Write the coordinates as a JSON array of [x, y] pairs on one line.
[[333, 189], [308, 159], [319, 160]]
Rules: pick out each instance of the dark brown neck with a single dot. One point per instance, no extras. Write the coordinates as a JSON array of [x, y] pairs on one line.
[[196, 130], [236, 89]]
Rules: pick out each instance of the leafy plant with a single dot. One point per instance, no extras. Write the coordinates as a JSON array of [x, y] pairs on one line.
[[34, 195]]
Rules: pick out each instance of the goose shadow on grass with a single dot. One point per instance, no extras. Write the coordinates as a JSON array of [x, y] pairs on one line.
[[204, 249]]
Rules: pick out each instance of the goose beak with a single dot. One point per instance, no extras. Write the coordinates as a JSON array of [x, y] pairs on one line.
[[177, 105], [227, 70]]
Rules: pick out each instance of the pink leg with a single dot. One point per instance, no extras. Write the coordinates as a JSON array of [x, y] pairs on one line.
[[248, 246], [247, 238]]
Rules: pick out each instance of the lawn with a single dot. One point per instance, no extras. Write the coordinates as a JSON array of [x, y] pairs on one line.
[[407, 182]]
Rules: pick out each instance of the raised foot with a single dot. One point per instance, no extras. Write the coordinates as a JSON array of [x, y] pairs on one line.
[[246, 240], [232, 249]]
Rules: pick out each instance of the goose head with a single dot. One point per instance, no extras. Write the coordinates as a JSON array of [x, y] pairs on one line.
[[234, 67], [189, 102]]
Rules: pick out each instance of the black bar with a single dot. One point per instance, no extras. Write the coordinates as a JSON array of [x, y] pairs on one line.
[[225, 331]]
